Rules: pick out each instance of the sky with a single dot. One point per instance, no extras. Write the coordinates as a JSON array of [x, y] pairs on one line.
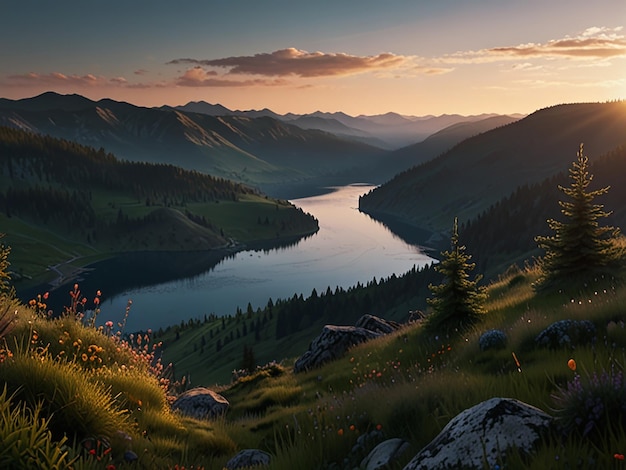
[[412, 57]]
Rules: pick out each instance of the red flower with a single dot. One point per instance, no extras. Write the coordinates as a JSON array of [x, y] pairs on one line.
[[619, 456]]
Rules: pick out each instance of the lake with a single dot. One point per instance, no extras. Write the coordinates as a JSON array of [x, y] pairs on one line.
[[350, 247]]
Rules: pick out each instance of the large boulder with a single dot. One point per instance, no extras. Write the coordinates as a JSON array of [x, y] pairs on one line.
[[380, 325], [201, 403], [331, 344], [248, 458], [483, 434]]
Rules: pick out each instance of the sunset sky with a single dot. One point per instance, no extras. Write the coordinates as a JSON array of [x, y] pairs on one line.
[[414, 57]]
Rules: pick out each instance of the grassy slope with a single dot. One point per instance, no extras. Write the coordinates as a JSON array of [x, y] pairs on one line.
[[412, 384], [408, 384]]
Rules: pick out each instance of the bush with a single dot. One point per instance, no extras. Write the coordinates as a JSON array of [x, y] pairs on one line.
[[594, 405], [569, 333], [492, 339]]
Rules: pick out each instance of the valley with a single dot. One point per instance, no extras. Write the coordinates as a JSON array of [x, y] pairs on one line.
[[162, 230]]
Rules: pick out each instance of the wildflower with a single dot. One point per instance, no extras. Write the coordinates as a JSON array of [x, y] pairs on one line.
[[352, 427], [619, 456], [340, 431], [571, 364], [84, 357]]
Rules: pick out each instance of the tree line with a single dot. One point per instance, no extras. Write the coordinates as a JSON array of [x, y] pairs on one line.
[[48, 161]]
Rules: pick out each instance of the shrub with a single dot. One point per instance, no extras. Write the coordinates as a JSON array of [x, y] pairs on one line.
[[570, 333], [492, 339], [593, 405]]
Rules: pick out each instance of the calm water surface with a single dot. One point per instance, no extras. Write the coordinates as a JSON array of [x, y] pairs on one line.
[[350, 247]]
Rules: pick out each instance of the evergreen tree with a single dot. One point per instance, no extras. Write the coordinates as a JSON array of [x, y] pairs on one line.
[[580, 248], [457, 301], [248, 361]]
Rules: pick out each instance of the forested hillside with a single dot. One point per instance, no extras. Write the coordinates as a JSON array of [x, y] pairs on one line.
[[481, 170], [505, 233], [91, 198]]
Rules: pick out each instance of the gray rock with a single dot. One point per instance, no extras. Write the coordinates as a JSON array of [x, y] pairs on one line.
[[248, 458], [380, 325], [384, 454], [482, 434], [331, 344], [201, 403]]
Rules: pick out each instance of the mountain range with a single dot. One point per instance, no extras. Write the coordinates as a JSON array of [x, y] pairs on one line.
[[389, 131], [260, 148]]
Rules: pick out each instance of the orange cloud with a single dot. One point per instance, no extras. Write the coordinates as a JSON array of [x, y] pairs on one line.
[[57, 78], [198, 77], [295, 62], [593, 43]]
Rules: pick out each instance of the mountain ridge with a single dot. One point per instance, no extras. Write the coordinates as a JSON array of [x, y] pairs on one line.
[[250, 150], [482, 169]]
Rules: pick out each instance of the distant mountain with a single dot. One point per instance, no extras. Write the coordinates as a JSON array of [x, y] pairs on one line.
[[390, 119], [438, 143], [205, 108], [252, 150], [389, 131], [48, 101], [481, 170]]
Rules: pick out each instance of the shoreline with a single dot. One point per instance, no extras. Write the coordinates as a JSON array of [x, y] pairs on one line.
[[74, 269]]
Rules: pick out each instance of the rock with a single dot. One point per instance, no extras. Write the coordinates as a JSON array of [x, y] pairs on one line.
[[331, 344], [481, 435], [384, 454], [130, 456], [201, 403], [379, 325], [248, 458]]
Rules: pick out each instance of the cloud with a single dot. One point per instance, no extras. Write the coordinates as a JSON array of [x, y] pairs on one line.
[[60, 79], [298, 63], [198, 77], [593, 43], [57, 78], [427, 70], [140, 72]]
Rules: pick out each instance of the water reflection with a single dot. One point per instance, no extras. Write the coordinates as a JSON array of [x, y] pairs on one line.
[[166, 288]]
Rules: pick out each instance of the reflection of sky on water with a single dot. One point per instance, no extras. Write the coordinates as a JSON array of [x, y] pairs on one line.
[[350, 247]]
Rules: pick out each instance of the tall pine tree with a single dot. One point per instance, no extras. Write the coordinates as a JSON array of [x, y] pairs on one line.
[[457, 301], [580, 248]]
